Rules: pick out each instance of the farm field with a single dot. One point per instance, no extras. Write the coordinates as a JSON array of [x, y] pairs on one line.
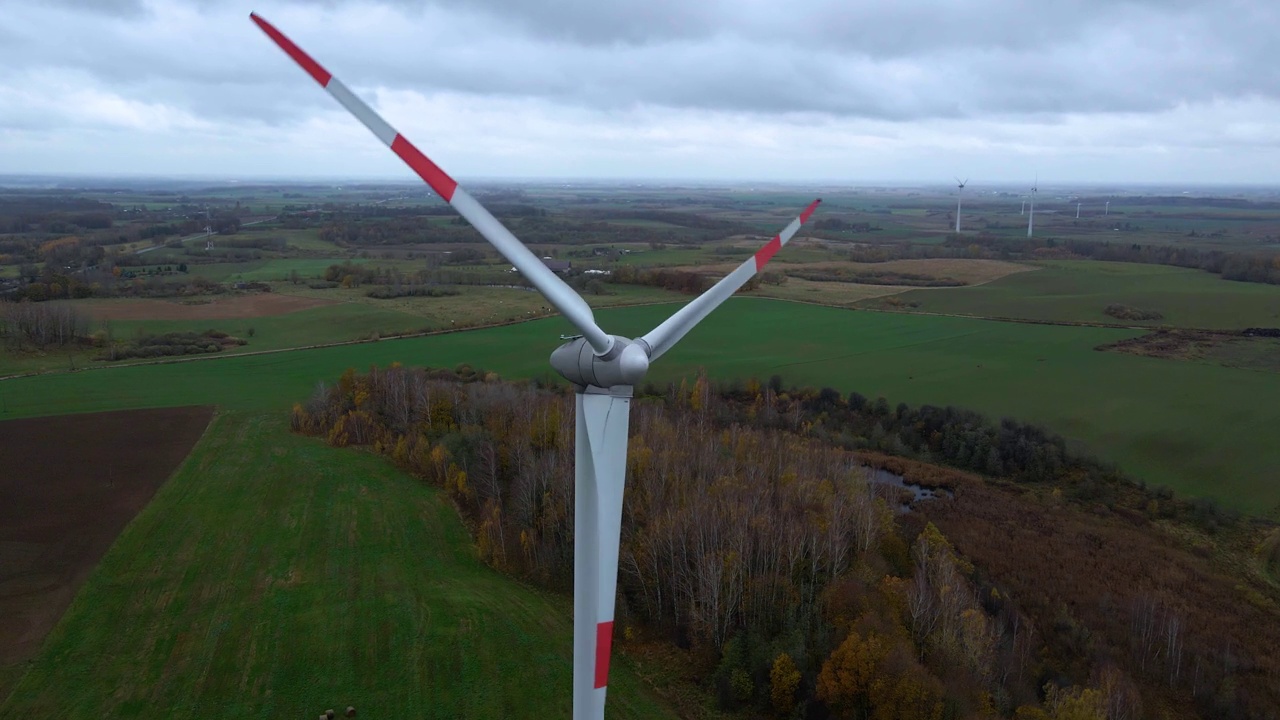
[[61, 511], [268, 270], [275, 577], [1079, 291], [849, 294], [1209, 438], [479, 304], [339, 322], [224, 307]]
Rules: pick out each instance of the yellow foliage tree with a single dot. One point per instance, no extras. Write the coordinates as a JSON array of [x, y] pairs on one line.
[[844, 683], [910, 695], [1074, 703], [784, 680]]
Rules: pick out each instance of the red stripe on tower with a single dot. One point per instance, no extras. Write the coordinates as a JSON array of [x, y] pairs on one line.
[[604, 644], [766, 253], [427, 170], [312, 67], [804, 216]]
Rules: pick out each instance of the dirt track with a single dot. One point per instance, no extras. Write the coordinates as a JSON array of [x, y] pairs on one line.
[[68, 485]]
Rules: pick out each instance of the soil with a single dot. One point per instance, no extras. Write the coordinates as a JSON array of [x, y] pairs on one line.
[[216, 307], [68, 485]]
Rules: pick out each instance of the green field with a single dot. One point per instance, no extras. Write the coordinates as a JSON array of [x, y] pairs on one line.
[[1078, 291], [275, 577], [1199, 428]]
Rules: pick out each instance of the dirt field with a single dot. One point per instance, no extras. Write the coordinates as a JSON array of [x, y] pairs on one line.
[[68, 486], [225, 307]]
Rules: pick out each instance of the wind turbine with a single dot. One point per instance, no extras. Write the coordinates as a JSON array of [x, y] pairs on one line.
[[1107, 209], [1077, 210], [962, 184], [1023, 211], [603, 369], [1031, 219]]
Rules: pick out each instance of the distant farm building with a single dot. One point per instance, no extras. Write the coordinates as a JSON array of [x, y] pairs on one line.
[[560, 267]]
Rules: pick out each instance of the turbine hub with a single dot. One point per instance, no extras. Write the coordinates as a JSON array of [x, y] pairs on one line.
[[625, 364]]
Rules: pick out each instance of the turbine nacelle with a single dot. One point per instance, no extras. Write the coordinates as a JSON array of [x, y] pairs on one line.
[[624, 364]]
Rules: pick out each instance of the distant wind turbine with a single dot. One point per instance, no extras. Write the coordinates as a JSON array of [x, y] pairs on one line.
[[1023, 211], [1031, 219], [1107, 211], [958, 198], [1077, 211]]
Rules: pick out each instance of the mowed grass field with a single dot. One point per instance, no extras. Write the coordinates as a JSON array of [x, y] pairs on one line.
[[1079, 291], [1202, 429], [275, 577]]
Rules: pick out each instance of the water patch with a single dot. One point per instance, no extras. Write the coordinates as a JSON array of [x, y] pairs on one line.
[[919, 493]]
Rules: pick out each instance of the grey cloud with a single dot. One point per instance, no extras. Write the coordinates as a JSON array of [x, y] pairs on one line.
[[898, 61], [118, 8]]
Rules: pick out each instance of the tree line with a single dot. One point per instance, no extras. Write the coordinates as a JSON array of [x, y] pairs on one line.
[[751, 536], [24, 324]]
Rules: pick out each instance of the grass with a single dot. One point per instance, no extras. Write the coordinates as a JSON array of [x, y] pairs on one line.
[[1078, 291], [275, 577], [1199, 428]]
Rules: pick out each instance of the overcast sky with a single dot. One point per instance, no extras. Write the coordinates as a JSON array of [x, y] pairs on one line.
[[1169, 91]]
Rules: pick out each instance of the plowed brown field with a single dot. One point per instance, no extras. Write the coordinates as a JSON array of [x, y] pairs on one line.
[[68, 485]]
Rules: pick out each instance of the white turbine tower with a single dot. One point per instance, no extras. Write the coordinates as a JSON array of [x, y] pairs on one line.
[[1107, 209], [603, 369], [1077, 210], [1023, 211], [1031, 219], [958, 198]]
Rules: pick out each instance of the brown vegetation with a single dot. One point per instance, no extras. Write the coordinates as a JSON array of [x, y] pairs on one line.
[[1127, 312], [1108, 587], [1254, 349]]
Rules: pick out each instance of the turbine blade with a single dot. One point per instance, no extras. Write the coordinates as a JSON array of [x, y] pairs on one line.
[[660, 339], [559, 294]]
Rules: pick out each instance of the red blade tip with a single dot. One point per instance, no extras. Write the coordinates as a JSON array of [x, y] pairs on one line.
[[313, 68], [804, 216]]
